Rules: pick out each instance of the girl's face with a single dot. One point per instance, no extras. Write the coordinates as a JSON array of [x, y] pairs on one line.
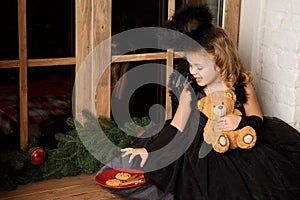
[[203, 68]]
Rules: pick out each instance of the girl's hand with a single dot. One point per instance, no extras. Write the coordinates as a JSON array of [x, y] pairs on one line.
[[229, 122], [142, 152]]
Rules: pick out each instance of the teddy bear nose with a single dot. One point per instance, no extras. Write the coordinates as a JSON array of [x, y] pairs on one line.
[[220, 107]]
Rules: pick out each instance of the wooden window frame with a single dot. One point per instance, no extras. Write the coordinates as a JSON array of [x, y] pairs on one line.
[[93, 25], [23, 63]]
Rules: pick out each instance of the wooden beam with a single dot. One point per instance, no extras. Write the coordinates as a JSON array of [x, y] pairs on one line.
[[93, 26], [9, 64], [145, 56], [51, 62], [23, 87], [139, 57], [232, 19], [171, 8], [102, 56], [83, 42], [170, 64]]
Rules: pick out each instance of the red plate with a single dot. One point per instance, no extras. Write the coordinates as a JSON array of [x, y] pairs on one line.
[[102, 177]]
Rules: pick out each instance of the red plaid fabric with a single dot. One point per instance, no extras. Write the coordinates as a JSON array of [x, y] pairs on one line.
[[47, 98]]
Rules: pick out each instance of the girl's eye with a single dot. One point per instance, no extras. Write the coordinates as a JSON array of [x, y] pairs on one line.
[[196, 67]]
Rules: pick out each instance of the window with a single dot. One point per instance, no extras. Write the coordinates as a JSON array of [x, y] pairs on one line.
[[37, 67], [41, 38]]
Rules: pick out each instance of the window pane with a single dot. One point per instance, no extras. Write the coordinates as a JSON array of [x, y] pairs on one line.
[[9, 109], [9, 30], [216, 7], [49, 102], [140, 98], [129, 14], [51, 28]]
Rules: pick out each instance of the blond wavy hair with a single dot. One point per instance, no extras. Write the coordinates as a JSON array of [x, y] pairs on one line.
[[227, 58]]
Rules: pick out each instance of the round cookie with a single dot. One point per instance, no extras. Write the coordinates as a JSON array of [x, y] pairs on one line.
[[113, 182], [123, 176]]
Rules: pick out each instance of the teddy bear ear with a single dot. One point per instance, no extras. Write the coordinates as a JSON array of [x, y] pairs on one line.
[[201, 103], [231, 94]]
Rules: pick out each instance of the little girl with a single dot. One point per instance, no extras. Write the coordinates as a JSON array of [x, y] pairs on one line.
[[269, 170]]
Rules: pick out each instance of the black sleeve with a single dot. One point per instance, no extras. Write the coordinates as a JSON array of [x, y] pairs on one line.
[[253, 121], [164, 137]]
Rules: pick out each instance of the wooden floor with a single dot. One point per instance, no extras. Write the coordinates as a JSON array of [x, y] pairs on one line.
[[81, 187]]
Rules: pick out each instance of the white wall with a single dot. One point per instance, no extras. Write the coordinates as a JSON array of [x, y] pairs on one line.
[[269, 43]]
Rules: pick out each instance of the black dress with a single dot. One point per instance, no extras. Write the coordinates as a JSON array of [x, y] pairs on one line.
[[269, 170]]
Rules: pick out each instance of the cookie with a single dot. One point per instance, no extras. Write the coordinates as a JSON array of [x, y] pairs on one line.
[[123, 176], [113, 182]]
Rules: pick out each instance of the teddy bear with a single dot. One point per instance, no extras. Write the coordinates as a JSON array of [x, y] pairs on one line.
[[218, 104]]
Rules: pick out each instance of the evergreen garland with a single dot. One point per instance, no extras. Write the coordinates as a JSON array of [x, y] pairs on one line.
[[71, 157]]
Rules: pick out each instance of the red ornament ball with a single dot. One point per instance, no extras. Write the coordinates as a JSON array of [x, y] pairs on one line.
[[37, 155]]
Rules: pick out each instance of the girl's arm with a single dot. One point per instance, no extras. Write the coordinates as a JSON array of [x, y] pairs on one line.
[[253, 118], [252, 107], [183, 111], [177, 125]]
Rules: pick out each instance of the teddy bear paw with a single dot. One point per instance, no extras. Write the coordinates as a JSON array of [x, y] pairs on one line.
[[248, 139], [223, 140], [222, 144]]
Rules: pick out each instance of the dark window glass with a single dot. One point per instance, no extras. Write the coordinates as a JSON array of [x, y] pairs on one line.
[[9, 30], [9, 109], [49, 102], [216, 7], [129, 14], [51, 28], [126, 15], [139, 98]]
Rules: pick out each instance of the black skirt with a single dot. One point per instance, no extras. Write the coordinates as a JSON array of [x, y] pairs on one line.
[[269, 170]]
